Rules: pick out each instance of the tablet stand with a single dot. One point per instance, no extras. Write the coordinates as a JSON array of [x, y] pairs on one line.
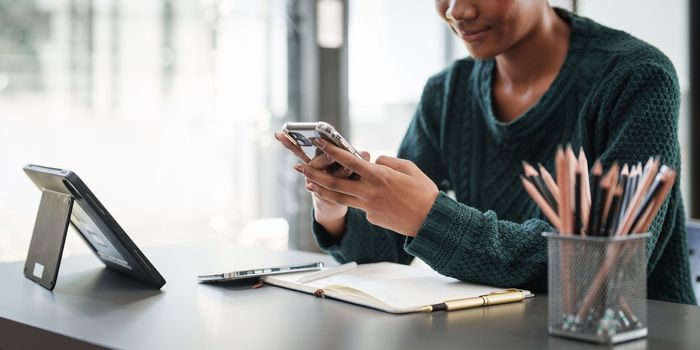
[[46, 246]]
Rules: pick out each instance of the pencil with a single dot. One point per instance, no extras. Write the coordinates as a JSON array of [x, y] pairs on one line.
[[660, 198], [613, 212], [647, 166], [638, 179], [645, 182], [564, 182], [614, 172], [630, 186], [643, 217], [586, 197], [597, 172], [549, 181], [572, 164], [577, 200], [601, 212], [650, 194], [541, 202], [633, 186], [536, 179], [624, 179], [630, 180]]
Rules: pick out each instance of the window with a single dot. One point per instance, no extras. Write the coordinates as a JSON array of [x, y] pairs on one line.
[[394, 47], [162, 107]]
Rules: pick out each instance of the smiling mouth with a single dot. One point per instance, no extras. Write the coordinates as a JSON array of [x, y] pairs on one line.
[[473, 35]]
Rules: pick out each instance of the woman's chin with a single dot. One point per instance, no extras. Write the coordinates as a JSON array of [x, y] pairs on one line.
[[481, 52]]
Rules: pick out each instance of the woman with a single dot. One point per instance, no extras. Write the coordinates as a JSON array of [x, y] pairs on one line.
[[537, 77]]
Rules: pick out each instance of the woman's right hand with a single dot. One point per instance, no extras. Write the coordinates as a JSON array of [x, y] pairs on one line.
[[329, 214]]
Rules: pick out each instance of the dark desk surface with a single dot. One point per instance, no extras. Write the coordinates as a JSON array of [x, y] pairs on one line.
[[94, 306]]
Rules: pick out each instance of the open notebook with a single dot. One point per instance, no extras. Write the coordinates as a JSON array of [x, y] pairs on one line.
[[387, 286]]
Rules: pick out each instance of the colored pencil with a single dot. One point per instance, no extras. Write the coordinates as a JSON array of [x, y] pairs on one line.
[[586, 188], [597, 173], [537, 180], [564, 182], [646, 181], [542, 203], [551, 184], [577, 200]]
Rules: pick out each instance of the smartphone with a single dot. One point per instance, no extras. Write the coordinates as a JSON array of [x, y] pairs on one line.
[[256, 273], [303, 133]]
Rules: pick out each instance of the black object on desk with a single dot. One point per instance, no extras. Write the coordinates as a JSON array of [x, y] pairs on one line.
[[66, 199], [46, 246]]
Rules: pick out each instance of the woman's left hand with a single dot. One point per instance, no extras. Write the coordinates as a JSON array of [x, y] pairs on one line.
[[393, 192]]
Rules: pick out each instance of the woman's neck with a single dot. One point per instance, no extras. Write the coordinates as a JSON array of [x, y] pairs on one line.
[[540, 54]]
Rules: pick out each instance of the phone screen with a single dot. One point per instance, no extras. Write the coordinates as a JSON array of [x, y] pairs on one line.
[[303, 139], [303, 134]]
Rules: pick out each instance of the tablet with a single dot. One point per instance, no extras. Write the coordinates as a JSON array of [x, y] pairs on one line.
[[95, 225]]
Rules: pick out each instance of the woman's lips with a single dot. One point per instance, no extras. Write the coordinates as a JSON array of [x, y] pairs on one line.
[[471, 36]]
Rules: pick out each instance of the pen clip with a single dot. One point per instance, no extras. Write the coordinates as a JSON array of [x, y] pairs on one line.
[[504, 296], [506, 291]]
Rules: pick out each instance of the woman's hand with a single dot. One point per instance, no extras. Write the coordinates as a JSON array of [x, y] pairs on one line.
[[329, 214], [394, 192]]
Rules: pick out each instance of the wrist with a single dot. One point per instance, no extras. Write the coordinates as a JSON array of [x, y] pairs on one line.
[[424, 211], [335, 226]]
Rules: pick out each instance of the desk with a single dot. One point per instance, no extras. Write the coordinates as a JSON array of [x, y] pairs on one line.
[[94, 307]]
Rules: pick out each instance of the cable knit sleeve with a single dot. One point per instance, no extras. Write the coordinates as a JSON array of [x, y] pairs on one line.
[[364, 242]]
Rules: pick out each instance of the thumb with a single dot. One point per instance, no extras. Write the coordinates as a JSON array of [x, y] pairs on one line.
[[400, 165]]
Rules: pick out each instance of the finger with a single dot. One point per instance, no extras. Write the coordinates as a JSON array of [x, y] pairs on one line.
[[322, 162], [343, 172], [349, 174], [365, 155], [329, 181], [345, 158], [333, 196], [400, 165], [292, 146]]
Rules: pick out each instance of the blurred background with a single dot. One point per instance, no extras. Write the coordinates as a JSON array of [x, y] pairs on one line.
[[166, 108]]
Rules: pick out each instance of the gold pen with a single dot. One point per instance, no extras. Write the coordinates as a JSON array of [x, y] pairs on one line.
[[503, 297]]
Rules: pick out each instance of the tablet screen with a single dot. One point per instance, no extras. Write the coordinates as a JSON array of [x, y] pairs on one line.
[[92, 233]]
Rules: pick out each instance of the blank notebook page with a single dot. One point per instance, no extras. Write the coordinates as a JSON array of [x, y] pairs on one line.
[[397, 285]]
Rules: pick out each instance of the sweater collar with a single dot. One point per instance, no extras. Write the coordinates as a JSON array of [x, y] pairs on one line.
[[542, 112]]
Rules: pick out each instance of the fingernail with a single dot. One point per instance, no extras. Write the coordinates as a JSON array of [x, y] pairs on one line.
[[321, 143], [311, 187], [299, 168]]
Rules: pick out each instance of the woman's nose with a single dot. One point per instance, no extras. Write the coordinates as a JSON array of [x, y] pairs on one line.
[[461, 10]]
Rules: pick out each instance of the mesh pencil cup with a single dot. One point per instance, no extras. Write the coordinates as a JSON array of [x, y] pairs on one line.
[[597, 287]]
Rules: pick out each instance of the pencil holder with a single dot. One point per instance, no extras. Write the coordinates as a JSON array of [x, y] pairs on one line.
[[597, 287]]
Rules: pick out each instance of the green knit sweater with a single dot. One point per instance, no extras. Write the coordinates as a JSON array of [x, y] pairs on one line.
[[616, 96]]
